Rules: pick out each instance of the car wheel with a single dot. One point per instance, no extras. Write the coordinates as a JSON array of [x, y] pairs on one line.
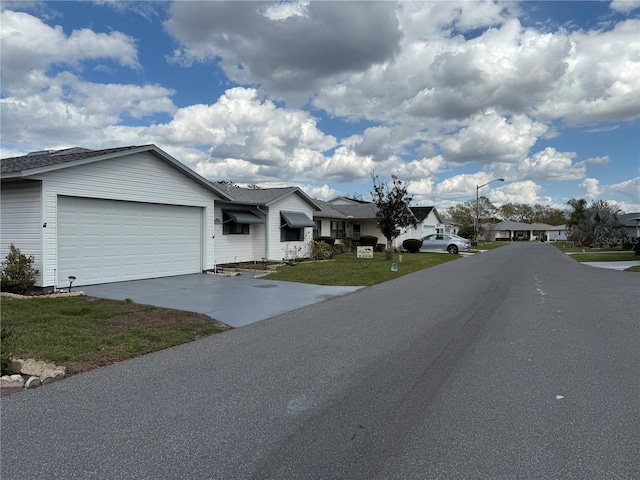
[[452, 249]]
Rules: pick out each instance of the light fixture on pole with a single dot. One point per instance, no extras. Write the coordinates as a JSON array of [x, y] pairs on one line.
[[477, 219]]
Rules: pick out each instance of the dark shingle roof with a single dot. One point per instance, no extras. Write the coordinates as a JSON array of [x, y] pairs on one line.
[[262, 196], [629, 219], [49, 158], [421, 212]]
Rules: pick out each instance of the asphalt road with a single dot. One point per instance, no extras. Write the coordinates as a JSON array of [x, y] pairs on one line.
[[516, 363]]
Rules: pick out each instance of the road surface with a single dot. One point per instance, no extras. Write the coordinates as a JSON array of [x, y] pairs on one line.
[[516, 363]]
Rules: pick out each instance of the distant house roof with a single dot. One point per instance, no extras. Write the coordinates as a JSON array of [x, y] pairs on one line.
[[509, 225], [44, 161], [629, 219], [263, 196], [423, 212], [328, 211]]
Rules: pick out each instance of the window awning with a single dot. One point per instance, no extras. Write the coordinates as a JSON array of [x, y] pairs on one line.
[[241, 216], [296, 220]]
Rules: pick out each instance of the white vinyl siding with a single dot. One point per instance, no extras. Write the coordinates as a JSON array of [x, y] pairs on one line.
[[21, 220], [103, 241], [277, 249], [138, 177], [239, 248]]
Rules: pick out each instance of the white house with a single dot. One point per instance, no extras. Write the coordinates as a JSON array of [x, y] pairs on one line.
[[107, 215], [429, 221], [257, 224]]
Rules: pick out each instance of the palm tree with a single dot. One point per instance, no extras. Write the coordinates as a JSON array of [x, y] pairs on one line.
[[577, 224]]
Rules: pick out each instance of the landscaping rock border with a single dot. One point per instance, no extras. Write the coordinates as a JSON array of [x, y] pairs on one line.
[[31, 373], [79, 293]]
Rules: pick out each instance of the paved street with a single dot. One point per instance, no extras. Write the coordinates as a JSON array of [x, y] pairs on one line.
[[516, 363]]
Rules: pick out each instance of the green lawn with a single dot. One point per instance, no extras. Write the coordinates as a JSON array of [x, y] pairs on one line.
[[82, 333], [611, 256], [347, 269]]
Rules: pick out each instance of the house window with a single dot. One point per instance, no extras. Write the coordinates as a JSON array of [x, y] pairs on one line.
[[292, 225], [317, 228], [357, 231], [231, 227], [337, 230]]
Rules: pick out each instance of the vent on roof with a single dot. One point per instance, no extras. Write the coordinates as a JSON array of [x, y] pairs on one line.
[[40, 152]]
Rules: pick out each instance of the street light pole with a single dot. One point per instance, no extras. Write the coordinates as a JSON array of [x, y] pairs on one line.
[[477, 219]]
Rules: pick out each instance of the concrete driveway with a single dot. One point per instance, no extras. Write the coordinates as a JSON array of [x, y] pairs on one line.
[[236, 301]]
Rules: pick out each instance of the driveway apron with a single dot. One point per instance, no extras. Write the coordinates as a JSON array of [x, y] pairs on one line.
[[236, 301]]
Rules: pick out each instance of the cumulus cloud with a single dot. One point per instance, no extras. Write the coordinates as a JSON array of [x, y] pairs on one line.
[[288, 49], [625, 6], [30, 47], [591, 188], [492, 138]]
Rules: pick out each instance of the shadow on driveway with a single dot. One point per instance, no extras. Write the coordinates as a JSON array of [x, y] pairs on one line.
[[236, 301]]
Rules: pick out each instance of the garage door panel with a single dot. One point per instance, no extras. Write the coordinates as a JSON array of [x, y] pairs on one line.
[[107, 241]]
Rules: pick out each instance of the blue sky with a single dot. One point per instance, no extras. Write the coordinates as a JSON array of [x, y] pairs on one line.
[[447, 95]]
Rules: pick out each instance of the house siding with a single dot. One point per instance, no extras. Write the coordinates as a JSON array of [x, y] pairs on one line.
[[278, 250], [21, 220], [138, 178], [239, 248]]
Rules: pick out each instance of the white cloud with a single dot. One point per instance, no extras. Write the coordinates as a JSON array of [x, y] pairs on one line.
[[492, 138], [30, 47], [625, 6], [591, 188]]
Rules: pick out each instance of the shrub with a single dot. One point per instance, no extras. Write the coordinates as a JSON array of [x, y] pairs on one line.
[[328, 240], [412, 245], [368, 240], [636, 249], [380, 247], [348, 244], [17, 275], [321, 250]]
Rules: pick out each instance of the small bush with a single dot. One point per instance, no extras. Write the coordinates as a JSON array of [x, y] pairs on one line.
[[380, 247], [17, 275], [368, 240], [328, 240], [412, 245], [348, 244], [636, 249], [321, 250]]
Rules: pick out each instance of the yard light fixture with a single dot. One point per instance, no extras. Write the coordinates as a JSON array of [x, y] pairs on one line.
[[477, 219], [71, 279]]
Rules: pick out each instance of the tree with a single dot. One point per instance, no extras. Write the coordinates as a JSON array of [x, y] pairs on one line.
[[393, 213], [603, 224], [17, 275], [462, 213], [597, 223], [576, 225]]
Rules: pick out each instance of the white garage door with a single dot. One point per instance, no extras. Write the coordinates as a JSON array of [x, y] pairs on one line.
[[102, 241]]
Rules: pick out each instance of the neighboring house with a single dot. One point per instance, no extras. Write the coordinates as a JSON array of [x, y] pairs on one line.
[[557, 233], [344, 216], [257, 224], [631, 222], [107, 215], [450, 227], [429, 221], [509, 230]]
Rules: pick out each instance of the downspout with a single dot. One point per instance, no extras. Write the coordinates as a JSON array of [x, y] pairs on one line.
[[266, 232]]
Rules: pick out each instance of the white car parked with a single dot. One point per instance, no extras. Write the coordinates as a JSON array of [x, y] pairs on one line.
[[445, 242]]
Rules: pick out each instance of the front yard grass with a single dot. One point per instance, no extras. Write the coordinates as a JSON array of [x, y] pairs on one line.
[[82, 333], [348, 270]]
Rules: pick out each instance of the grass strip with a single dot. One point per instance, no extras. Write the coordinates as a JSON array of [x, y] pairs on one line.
[[348, 270], [82, 333]]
